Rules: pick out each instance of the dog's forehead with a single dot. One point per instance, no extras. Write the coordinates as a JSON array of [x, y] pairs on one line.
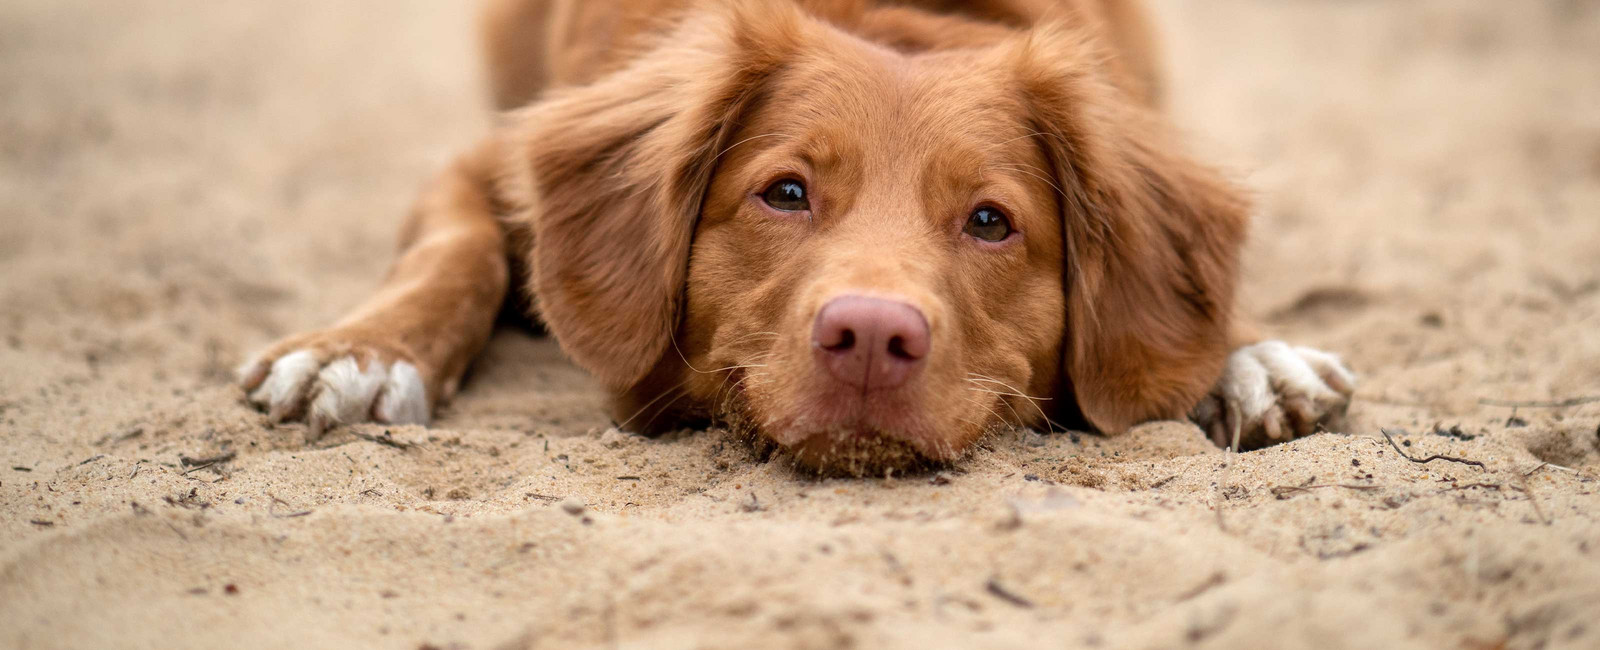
[[891, 106]]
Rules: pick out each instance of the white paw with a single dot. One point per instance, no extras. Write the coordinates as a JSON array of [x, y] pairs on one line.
[[330, 392], [1271, 391]]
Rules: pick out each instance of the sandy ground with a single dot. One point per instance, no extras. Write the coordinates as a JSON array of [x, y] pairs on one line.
[[182, 182]]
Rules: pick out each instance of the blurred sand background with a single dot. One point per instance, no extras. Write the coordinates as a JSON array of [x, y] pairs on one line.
[[182, 182]]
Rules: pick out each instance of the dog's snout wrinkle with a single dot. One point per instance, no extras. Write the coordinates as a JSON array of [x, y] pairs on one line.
[[871, 343]]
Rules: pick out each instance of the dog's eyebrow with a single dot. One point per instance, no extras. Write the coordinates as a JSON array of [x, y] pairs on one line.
[[1018, 167], [1028, 135], [753, 137]]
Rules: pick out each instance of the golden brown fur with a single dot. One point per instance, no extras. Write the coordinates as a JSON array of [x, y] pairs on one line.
[[624, 187]]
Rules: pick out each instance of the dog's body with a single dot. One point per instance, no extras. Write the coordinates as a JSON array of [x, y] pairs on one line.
[[869, 230], [532, 45]]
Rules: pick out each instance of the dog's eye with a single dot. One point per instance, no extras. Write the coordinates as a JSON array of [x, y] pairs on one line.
[[788, 195], [988, 224]]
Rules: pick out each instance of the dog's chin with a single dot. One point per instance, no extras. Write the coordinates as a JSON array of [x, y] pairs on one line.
[[856, 452], [838, 451], [842, 433]]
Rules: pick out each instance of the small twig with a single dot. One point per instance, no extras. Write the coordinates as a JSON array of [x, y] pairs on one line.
[[994, 588], [196, 468], [1390, 401], [1556, 404], [197, 464], [272, 509], [41, 522], [1227, 469], [387, 440], [1215, 580], [1534, 501], [1550, 465], [1486, 486], [629, 478], [1283, 491], [190, 499], [126, 434], [207, 460], [1429, 459], [91, 459]]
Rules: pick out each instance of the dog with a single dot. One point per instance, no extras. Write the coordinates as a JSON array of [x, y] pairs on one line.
[[868, 232]]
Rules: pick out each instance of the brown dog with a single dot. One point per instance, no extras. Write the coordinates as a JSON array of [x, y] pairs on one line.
[[869, 231]]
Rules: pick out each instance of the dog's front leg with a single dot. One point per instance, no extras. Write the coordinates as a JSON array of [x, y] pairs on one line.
[[405, 349]]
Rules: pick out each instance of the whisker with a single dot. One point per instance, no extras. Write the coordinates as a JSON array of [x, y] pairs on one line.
[[1002, 392], [681, 384], [747, 365], [991, 411], [728, 393], [1006, 402], [662, 409], [753, 137], [751, 335], [972, 376], [721, 386], [723, 389], [1028, 135], [1053, 426], [1042, 178], [724, 404], [674, 339], [657, 398]]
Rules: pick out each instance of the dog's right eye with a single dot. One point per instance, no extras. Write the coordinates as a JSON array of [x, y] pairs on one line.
[[988, 224], [788, 195]]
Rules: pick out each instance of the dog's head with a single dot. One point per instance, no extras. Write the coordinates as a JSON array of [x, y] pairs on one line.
[[873, 255]]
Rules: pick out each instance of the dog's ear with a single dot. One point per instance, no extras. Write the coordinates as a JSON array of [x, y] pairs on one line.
[[1152, 240], [612, 175]]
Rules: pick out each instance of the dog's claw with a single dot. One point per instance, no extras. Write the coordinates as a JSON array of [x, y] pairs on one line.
[[334, 389], [1271, 392], [282, 386]]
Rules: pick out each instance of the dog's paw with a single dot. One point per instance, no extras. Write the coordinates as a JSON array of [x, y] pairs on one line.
[[333, 378], [1272, 391]]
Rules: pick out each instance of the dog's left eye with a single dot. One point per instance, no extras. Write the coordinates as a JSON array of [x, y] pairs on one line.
[[988, 224], [788, 195]]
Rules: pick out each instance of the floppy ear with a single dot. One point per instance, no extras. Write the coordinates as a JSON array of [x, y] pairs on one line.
[[1152, 241], [612, 176]]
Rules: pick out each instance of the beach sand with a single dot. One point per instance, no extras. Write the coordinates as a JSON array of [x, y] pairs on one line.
[[183, 182]]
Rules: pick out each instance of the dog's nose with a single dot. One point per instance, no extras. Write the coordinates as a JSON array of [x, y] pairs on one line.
[[870, 343]]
